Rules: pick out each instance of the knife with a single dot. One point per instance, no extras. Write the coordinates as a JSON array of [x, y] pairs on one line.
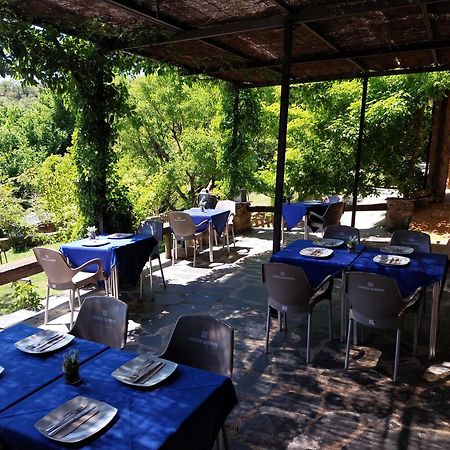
[[49, 343], [150, 373], [87, 416], [44, 341], [72, 420]]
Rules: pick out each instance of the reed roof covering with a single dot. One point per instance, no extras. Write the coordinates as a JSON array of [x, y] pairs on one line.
[[242, 40]]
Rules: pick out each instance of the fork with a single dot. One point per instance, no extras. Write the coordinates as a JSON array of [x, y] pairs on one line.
[[140, 370], [50, 343], [67, 417]]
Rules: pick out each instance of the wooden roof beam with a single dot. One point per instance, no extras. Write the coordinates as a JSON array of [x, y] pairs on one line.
[[146, 13], [339, 56], [308, 15], [428, 27]]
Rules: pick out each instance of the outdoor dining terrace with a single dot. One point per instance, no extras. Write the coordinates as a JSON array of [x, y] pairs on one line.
[[284, 402]]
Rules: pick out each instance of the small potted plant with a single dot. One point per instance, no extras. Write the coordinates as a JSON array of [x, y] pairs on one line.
[[70, 366], [91, 232], [351, 243]]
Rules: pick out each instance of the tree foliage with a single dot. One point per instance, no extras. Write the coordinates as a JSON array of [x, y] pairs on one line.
[[83, 73]]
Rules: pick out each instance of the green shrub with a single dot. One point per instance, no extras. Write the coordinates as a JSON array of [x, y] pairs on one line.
[[25, 296]]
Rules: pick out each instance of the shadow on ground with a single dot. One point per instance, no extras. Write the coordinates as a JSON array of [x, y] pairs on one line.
[[284, 403]]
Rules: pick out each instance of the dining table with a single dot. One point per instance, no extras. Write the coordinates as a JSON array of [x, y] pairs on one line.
[[293, 213], [25, 373], [123, 253], [422, 270], [318, 268], [186, 410], [216, 219]]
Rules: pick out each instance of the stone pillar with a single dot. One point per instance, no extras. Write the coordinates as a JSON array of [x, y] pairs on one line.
[[243, 218], [399, 213]]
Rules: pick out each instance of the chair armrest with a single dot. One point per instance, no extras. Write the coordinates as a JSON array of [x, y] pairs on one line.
[[322, 291], [201, 223], [97, 261], [412, 300], [315, 216]]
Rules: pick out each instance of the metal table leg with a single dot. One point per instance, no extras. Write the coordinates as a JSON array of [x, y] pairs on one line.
[[434, 319], [344, 308], [306, 227], [210, 241]]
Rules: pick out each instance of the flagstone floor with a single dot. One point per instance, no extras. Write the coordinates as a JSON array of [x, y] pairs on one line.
[[284, 403]]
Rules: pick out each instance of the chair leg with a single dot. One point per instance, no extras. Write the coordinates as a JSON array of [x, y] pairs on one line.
[[397, 353], [195, 250], [416, 332], [228, 238], [71, 300], [280, 321], [162, 272], [330, 322], [46, 306], [174, 250], [141, 286], [79, 298], [349, 337], [267, 329], [152, 295], [232, 234], [285, 321], [308, 338]]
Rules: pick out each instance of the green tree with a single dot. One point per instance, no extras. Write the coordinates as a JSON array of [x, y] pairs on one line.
[[169, 142], [83, 73]]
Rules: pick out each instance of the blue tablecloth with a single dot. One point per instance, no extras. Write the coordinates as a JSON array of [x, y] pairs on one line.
[[25, 373], [316, 269], [294, 212], [218, 217], [423, 270], [185, 412], [130, 255]]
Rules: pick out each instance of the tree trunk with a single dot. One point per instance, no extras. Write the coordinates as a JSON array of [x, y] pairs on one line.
[[439, 151]]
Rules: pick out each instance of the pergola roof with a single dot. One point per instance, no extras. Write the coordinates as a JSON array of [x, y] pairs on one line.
[[242, 40]]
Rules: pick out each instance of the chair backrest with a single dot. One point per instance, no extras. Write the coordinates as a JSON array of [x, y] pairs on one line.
[[334, 213], [227, 204], [202, 342], [419, 241], [182, 224], [103, 320], [152, 227], [288, 287], [208, 199], [343, 232], [5, 244], [55, 266], [375, 299]]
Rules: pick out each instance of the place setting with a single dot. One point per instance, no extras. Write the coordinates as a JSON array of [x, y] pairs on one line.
[[76, 420], [391, 260], [316, 252], [397, 249], [94, 242], [328, 242], [44, 341], [120, 235], [145, 370]]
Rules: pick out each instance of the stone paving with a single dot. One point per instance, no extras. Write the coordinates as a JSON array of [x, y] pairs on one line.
[[284, 403]]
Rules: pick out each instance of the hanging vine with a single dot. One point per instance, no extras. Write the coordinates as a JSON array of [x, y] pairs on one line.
[[83, 74]]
